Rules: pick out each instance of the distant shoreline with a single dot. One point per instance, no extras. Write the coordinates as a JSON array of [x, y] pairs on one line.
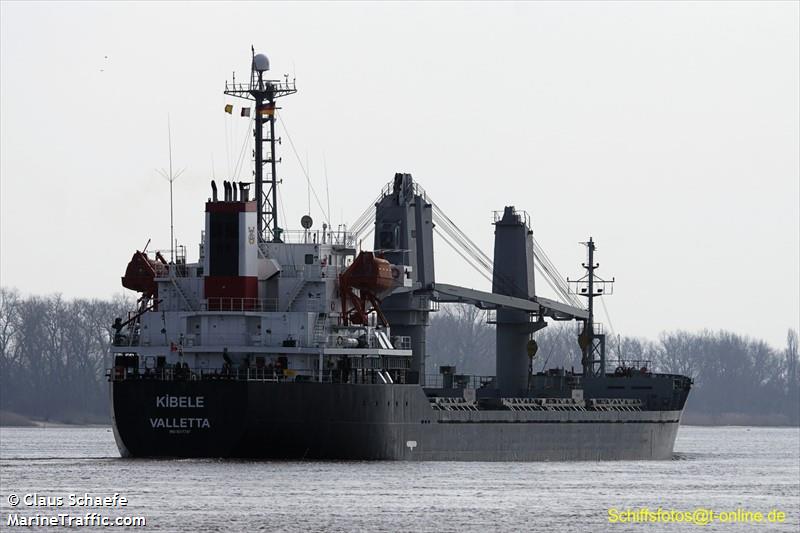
[[735, 419], [11, 419]]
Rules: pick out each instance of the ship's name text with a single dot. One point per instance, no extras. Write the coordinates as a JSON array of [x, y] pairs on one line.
[[179, 423], [180, 401]]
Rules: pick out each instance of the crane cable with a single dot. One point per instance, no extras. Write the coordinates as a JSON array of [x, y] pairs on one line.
[[544, 266], [303, 168], [473, 255]]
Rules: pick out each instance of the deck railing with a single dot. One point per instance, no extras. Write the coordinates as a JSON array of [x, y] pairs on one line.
[[239, 304], [269, 374], [336, 237], [457, 381]]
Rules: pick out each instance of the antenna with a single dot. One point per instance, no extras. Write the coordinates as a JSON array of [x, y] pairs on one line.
[[327, 189], [171, 178], [264, 92], [308, 170]]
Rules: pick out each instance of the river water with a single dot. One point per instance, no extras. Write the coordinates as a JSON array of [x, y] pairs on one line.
[[732, 470]]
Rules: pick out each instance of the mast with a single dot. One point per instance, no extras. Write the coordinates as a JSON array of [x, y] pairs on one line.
[[264, 93], [592, 340], [590, 268]]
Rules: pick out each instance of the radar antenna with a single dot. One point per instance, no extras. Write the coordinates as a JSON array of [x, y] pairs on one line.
[[264, 93]]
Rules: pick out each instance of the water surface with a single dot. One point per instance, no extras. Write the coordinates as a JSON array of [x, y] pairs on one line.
[[721, 468]]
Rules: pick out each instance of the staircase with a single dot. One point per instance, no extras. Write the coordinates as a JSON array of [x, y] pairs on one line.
[[189, 303], [294, 294]]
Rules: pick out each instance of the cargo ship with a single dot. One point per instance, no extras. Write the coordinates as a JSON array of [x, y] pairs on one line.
[[302, 345]]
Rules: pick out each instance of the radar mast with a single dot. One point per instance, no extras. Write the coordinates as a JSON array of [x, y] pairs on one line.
[[592, 340], [264, 92]]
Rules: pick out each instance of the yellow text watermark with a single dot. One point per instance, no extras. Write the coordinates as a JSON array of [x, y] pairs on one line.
[[699, 516]]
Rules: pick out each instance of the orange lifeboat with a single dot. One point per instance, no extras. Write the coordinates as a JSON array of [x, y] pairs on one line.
[[141, 273], [373, 278], [371, 273]]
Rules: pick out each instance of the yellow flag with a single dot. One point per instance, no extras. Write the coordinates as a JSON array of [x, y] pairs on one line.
[[228, 108]]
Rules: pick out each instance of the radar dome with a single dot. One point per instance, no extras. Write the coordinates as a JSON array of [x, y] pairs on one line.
[[260, 62]]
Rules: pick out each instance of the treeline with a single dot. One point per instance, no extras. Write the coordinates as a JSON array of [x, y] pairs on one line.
[[737, 379], [53, 356]]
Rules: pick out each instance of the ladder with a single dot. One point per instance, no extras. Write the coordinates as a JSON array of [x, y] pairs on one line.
[[383, 340], [295, 293], [319, 329], [189, 304]]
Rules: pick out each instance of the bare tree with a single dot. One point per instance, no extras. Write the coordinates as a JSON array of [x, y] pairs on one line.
[[792, 375]]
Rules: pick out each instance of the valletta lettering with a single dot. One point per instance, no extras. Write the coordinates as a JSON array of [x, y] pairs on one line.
[[179, 423]]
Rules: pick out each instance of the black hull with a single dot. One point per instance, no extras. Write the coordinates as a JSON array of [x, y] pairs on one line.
[[256, 419]]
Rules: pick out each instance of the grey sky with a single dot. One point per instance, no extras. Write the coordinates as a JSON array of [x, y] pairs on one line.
[[669, 132]]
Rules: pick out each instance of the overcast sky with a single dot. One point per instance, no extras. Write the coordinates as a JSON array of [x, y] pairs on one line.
[[668, 132]]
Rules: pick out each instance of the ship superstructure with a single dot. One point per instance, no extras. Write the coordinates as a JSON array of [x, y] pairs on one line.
[[279, 343]]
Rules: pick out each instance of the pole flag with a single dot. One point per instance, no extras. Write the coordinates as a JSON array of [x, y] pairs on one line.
[[267, 109]]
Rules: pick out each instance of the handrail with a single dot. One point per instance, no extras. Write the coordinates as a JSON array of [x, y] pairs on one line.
[[437, 381], [278, 86], [266, 373], [329, 236], [223, 303], [169, 373]]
